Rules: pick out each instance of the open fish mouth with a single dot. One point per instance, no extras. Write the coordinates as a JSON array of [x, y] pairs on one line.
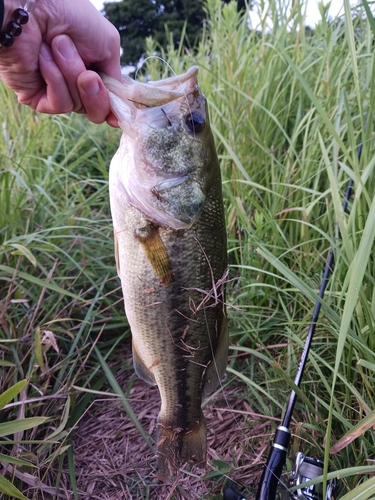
[[162, 102], [153, 93], [129, 95]]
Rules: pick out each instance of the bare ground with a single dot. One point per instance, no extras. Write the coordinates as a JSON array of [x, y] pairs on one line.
[[113, 462]]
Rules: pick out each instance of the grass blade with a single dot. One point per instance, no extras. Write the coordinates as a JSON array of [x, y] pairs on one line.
[[117, 389]]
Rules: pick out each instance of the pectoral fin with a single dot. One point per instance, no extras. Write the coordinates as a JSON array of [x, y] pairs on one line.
[[216, 369], [157, 254]]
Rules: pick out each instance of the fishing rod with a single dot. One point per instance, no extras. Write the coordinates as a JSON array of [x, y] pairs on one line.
[[305, 468]]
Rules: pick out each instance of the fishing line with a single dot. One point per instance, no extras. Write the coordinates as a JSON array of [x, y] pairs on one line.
[[221, 386], [229, 493], [174, 73], [154, 57]]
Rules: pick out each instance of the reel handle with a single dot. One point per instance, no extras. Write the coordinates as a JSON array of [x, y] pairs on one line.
[[230, 494]]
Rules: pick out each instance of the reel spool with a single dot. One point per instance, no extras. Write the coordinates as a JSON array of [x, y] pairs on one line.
[[305, 469]]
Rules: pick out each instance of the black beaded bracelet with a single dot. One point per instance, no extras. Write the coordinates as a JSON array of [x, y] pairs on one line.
[[14, 27], [1, 14]]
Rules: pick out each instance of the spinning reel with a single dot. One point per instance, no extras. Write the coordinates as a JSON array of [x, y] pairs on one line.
[[304, 469]]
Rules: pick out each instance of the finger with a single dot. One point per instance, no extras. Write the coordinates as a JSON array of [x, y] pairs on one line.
[[105, 55], [94, 96], [112, 120], [110, 65], [70, 64], [55, 97]]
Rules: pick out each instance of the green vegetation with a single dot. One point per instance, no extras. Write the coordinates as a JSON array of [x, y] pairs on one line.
[[288, 109], [157, 18]]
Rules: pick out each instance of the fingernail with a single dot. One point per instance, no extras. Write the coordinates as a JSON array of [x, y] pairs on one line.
[[90, 87], [66, 47], [45, 52]]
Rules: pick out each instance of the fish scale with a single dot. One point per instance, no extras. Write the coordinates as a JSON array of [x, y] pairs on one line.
[[170, 246]]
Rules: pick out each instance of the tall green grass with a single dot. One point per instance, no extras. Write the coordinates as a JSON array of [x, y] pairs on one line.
[[58, 291], [288, 108]]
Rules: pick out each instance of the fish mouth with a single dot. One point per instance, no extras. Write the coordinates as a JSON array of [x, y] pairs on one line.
[[129, 99], [153, 93]]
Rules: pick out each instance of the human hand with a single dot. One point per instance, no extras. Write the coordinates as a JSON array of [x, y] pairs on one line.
[[49, 66]]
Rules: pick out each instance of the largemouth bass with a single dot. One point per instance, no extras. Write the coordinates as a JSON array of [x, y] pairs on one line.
[[170, 246]]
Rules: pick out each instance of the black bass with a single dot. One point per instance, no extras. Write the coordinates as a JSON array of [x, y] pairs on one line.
[[170, 246]]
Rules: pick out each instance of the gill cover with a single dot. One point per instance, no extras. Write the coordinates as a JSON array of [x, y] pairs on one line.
[[158, 166]]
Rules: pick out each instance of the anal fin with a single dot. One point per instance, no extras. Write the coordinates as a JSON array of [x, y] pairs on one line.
[[141, 369]]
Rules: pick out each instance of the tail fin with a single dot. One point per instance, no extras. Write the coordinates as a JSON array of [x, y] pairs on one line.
[[175, 446]]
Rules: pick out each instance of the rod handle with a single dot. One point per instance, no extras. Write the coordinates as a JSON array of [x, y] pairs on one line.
[[274, 466]]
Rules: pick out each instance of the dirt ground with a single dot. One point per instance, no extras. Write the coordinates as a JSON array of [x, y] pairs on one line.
[[113, 461]]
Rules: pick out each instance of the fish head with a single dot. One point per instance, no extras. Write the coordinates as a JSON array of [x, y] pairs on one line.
[[166, 152]]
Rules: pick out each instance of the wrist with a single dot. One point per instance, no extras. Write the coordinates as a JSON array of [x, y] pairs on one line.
[[9, 7]]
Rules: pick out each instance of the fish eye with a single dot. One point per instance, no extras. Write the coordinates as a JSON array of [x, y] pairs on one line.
[[195, 122]]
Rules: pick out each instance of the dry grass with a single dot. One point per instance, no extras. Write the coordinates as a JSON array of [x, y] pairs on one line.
[[113, 461]]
